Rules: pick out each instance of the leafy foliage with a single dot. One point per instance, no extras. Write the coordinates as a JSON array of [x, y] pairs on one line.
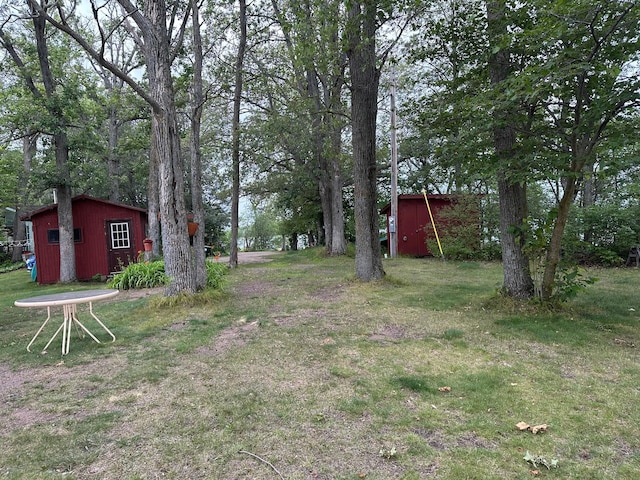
[[215, 274], [152, 274], [458, 230], [9, 266], [140, 275], [569, 278]]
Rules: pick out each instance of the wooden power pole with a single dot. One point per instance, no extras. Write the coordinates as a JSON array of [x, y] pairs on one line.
[[393, 218]]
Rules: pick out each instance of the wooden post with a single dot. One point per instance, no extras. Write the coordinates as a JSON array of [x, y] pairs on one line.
[[393, 219]]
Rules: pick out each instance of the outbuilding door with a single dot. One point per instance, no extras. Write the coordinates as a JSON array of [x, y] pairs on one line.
[[413, 218], [120, 245]]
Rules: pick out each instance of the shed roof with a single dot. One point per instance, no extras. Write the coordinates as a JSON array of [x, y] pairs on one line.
[[54, 206]]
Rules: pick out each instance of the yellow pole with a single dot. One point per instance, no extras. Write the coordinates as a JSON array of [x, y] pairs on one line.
[[433, 222]]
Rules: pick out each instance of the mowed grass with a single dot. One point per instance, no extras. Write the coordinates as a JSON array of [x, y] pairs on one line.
[[328, 378]]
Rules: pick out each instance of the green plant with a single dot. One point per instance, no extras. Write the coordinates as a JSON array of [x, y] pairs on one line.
[[215, 274], [388, 453], [452, 334], [536, 460], [458, 230], [10, 266], [569, 282], [569, 279], [140, 275]]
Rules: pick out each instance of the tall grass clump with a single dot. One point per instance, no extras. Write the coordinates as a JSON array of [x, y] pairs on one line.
[[140, 275], [215, 274]]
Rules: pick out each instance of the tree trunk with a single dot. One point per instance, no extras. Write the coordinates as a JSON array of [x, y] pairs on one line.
[[60, 144], [588, 194], [326, 196], [113, 163], [235, 154], [338, 242], [166, 144], [512, 193], [552, 258], [322, 89], [197, 102], [65, 212], [19, 229], [365, 78], [513, 210], [153, 199]]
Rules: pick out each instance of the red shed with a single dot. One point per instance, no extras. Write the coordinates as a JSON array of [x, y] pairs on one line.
[[413, 216], [107, 235]]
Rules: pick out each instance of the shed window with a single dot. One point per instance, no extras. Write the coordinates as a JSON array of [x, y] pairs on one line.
[[53, 235], [120, 235]]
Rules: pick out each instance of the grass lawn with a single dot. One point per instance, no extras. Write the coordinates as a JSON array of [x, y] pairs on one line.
[[296, 371]]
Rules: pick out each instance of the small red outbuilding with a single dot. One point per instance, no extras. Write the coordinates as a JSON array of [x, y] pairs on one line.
[[413, 216], [107, 235]]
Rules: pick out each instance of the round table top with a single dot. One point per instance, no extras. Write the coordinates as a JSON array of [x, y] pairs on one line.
[[66, 298]]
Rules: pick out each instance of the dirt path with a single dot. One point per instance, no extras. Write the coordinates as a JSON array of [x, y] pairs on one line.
[[252, 257]]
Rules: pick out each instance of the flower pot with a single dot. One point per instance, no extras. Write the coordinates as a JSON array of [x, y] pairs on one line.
[[148, 244]]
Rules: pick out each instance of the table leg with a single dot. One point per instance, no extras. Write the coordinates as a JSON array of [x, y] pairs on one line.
[[66, 333], [40, 329], [101, 324], [70, 318], [74, 317], [61, 327]]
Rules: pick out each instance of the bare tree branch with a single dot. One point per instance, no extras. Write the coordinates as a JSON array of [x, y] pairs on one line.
[[96, 55]]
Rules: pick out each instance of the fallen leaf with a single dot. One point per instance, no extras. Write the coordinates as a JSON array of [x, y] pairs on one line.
[[444, 389], [362, 475], [535, 472], [522, 426], [538, 428]]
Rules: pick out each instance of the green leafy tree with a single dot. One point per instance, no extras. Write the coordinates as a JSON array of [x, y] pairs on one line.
[[57, 102], [151, 26], [582, 85]]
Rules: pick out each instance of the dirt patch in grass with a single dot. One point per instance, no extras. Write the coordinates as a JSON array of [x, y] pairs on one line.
[[331, 293], [232, 337], [253, 289], [394, 333], [11, 381], [136, 293], [21, 390], [300, 317], [389, 333], [24, 417]]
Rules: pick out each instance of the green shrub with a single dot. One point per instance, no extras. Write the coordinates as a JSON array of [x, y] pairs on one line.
[[215, 274], [11, 266], [458, 229], [140, 275]]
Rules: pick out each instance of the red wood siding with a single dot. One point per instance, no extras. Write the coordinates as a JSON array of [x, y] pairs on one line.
[[413, 216], [90, 216]]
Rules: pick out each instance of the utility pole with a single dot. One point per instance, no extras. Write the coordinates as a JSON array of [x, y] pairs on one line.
[[393, 218]]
